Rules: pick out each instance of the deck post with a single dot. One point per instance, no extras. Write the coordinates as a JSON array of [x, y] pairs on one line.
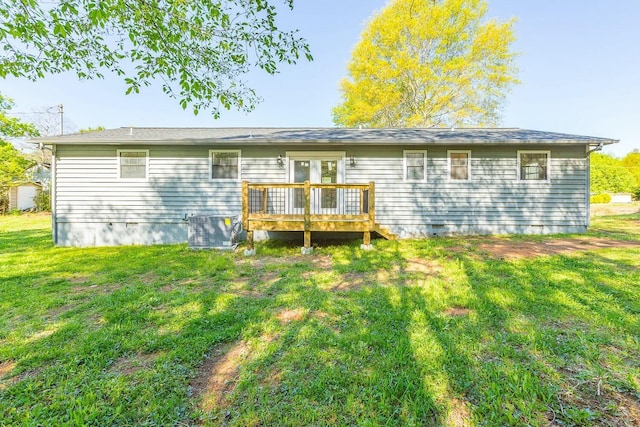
[[251, 250], [366, 238], [307, 218], [372, 206], [264, 201], [245, 205]]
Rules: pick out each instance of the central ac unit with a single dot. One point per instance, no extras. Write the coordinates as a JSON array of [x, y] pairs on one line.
[[214, 232]]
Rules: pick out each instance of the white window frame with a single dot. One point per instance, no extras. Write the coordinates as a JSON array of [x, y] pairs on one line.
[[518, 164], [405, 175], [146, 164], [212, 179], [449, 153]]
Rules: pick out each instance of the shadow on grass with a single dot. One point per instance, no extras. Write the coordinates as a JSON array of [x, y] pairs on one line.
[[530, 331], [478, 340]]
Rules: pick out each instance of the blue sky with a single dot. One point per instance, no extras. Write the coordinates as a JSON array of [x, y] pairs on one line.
[[579, 66]]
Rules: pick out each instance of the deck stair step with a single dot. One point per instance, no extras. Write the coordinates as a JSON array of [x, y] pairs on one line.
[[384, 232]]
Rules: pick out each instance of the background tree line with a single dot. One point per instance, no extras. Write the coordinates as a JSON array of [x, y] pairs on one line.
[[613, 175]]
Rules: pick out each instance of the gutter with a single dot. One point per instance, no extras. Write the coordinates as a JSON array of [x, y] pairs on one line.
[[54, 190], [587, 190]]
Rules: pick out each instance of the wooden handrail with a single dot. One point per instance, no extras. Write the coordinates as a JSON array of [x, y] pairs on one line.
[[263, 186], [304, 218]]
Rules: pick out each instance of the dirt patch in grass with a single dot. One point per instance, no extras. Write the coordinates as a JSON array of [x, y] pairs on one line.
[[130, 365], [218, 375], [6, 367], [610, 406], [509, 249], [352, 282], [322, 262], [289, 315], [78, 279], [56, 312], [457, 312], [459, 414], [426, 266], [318, 314], [149, 278], [627, 408], [262, 261], [615, 209], [94, 289]]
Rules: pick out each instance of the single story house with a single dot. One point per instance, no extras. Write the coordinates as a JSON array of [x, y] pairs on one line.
[[140, 185], [21, 196]]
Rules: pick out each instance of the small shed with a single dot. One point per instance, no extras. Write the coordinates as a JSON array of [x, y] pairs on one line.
[[621, 198], [21, 197]]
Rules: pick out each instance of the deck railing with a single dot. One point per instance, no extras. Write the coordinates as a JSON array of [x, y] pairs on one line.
[[308, 207]]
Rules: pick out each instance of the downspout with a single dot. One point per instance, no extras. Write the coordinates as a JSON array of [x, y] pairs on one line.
[[54, 190], [588, 183]]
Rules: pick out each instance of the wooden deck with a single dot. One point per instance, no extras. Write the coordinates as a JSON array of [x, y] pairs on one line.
[[310, 207]]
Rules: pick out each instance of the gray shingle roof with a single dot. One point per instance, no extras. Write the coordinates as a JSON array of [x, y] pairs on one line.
[[331, 136]]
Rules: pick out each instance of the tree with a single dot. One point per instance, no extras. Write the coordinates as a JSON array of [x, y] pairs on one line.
[[428, 63], [198, 49], [632, 163], [91, 129], [47, 121], [608, 174], [13, 164]]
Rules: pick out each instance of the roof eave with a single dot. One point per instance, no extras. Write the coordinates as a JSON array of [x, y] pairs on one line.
[[256, 141]]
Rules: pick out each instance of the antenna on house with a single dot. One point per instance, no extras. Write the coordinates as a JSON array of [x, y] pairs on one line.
[[61, 112]]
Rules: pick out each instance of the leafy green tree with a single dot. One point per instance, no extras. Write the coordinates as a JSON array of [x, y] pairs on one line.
[[632, 163], [91, 129], [428, 63], [13, 164], [608, 174], [197, 49]]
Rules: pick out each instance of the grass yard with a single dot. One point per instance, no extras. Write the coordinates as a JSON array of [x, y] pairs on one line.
[[444, 331]]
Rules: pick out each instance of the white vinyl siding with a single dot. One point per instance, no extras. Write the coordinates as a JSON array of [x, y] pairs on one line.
[[415, 165], [133, 164], [95, 206], [459, 165], [224, 165], [533, 165]]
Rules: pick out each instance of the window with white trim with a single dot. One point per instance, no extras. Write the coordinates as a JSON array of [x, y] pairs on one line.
[[133, 164], [459, 165], [415, 165], [224, 165], [533, 165]]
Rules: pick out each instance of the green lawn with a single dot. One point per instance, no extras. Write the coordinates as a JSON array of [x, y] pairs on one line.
[[424, 332]]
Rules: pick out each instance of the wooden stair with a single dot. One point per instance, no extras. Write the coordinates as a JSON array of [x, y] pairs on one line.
[[385, 232]]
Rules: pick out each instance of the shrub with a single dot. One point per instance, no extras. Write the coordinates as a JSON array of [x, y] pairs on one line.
[[636, 194], [42, 201], [4, 201], [601, 198]]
